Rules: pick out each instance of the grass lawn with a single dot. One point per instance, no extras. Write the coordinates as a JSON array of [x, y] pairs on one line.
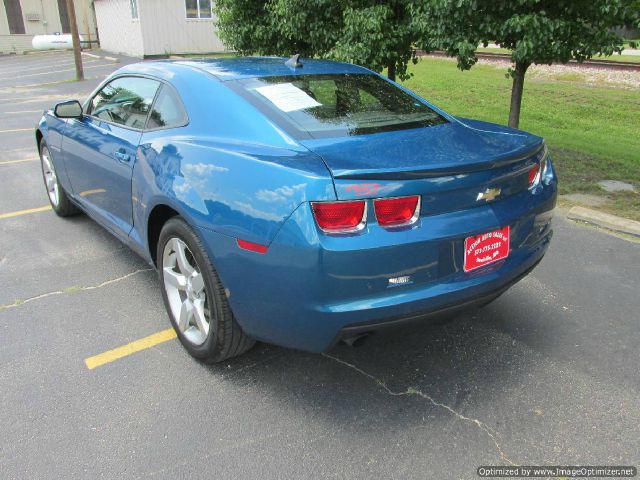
[[593, 132]]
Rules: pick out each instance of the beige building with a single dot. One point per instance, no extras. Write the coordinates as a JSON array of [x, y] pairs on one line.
[[20, 20], [147, 28]]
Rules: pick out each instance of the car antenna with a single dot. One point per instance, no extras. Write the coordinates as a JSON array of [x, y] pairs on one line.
[[294, 61]]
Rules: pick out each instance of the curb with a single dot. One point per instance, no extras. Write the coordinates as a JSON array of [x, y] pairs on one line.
[[605, 220]]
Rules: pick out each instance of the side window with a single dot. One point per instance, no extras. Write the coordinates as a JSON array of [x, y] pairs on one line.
[[167, 111], [125, 101]]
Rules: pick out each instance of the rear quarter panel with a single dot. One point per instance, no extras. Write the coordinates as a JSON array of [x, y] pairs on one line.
[[240, 190]]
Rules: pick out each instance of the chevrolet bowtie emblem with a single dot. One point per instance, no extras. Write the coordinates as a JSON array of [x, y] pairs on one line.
[[489, 194]]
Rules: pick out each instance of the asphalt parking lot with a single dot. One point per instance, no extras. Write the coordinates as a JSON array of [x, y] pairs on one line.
[[548, 374]]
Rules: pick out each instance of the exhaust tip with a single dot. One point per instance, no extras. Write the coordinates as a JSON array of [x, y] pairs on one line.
[[357, 339]]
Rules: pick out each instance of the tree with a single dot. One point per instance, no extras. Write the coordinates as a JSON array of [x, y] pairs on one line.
[[375, 34], [535, 31]]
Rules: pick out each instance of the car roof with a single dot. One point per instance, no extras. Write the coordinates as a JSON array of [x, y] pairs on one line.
[[235, 68]]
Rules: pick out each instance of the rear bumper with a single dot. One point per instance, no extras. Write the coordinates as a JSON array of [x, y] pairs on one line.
[[310, 290], [445, 298], [475, 301]]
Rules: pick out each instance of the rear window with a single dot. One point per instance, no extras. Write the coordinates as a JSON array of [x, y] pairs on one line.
[[337, 104]]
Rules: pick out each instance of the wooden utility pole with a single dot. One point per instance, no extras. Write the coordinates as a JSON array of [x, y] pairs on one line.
[[73, 24]]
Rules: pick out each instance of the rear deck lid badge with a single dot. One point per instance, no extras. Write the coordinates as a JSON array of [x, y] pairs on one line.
[[489, 194]]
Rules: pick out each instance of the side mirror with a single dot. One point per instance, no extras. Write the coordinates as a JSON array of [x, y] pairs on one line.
[[70, 109]]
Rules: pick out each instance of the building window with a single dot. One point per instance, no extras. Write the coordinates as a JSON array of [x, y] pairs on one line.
[[134, 9], [198, 8], [14, 16]]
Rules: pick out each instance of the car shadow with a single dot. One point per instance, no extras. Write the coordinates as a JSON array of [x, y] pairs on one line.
[[423, 372]]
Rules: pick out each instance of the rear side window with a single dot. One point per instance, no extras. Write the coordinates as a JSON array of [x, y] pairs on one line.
[[125, 101], [167, 112], [338, 104]]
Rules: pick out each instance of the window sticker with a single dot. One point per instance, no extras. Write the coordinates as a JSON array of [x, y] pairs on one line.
[[287, 97]]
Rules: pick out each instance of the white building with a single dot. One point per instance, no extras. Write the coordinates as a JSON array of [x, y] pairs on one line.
[[147, 28], [20, 20]]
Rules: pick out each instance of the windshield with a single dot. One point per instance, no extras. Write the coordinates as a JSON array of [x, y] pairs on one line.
[[338, 104]]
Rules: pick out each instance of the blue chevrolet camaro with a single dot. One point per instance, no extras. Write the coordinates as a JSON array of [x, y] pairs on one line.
[[298, 203]]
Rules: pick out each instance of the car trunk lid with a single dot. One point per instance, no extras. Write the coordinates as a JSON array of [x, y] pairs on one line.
[[449, 165]]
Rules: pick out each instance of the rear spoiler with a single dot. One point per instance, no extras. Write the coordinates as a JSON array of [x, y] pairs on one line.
[[436, 170]]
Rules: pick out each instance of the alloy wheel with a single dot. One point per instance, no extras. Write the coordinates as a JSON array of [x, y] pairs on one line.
[[50, 178], [185, 288]]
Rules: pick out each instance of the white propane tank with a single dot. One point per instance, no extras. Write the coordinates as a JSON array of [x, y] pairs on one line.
[[57, 41]]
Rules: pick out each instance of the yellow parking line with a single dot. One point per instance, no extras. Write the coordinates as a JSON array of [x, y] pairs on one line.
[[8, 162], [18, 130], [24, 212], [130, 348]]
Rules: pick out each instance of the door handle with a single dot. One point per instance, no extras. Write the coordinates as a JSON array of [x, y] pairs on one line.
[[122, 157]]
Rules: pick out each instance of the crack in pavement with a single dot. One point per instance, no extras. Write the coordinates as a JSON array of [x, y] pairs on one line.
[[412, 391], [18, 303], [261, 362]]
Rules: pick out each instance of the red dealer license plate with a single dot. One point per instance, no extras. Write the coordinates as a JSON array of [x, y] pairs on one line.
[[486, 248]]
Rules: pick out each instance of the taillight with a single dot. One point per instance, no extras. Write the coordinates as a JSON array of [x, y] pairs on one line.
[[340, 217], [539, 170], [397, 212], [534, 175]]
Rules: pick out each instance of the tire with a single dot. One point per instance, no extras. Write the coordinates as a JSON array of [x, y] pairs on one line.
[[182, 291], [58, 198]]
